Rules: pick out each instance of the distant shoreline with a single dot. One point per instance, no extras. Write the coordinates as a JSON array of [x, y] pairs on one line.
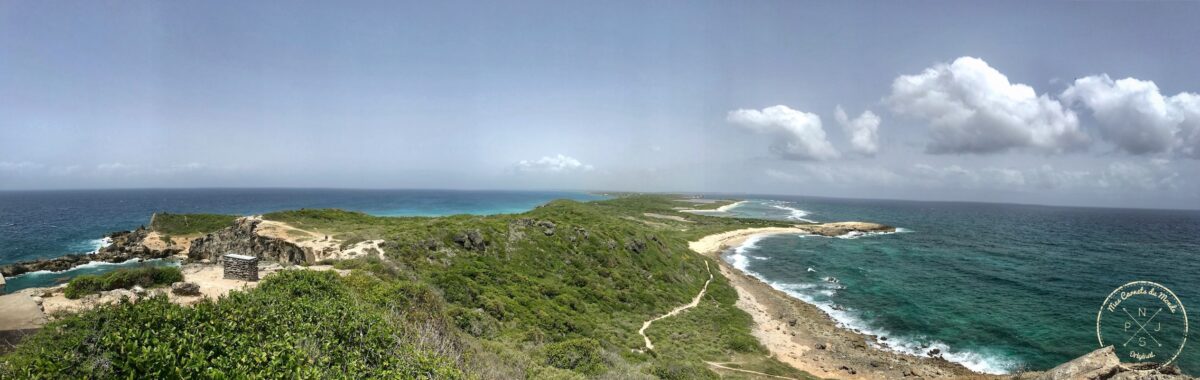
[[805, 337]]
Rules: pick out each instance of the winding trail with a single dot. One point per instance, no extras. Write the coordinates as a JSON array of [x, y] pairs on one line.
[[722, 366], [695, 301]]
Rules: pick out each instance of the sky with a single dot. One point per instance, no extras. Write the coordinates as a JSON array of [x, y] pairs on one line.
[[1070, 103]]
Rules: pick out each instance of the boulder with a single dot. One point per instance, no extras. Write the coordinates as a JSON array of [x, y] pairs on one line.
[[1099, 364], [185, 288], [471, 240], [636, 245], [548, 227]]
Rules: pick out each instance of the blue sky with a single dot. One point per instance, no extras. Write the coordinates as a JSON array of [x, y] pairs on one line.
[[1006, 101]]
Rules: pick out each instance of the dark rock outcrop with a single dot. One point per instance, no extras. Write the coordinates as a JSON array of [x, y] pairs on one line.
[[636, 245], [471, 240], [240, 238], [548, 227]]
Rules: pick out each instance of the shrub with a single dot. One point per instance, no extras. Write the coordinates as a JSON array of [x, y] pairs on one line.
[[581, 354], [146, 276], [296, 325]]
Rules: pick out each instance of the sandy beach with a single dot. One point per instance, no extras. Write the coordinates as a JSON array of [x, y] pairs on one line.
[[806, 338], [724, 208]]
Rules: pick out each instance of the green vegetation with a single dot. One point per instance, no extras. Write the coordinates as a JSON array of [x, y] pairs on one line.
[[146, 276], [189, 224], [715, 204], [296, 324], [558, 292]]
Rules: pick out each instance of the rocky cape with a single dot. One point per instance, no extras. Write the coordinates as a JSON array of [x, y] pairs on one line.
[[243, 237], [126, 245], [1103, 364]]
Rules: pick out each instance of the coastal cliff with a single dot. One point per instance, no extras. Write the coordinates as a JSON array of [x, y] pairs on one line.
[[243, 238]]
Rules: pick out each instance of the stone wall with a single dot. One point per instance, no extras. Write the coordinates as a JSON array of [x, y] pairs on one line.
[[240, 267]]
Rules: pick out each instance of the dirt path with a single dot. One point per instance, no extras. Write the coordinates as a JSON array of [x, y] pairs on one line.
[[767, 375], [695, 301]]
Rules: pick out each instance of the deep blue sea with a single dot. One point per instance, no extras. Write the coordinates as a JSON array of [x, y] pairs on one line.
[[44, 224], [996, 287]]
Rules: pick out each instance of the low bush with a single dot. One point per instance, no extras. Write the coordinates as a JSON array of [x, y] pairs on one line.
[[297, 324], [583, 355], [146, 276]]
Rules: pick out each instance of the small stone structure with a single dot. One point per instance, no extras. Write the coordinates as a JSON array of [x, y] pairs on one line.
[[240, 267]]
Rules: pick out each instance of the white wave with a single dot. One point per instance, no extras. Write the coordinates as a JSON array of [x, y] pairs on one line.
[[740, 257], [730, 206], [98, 244], [793, 213], [820, 295], [858, 234], [90, 264]]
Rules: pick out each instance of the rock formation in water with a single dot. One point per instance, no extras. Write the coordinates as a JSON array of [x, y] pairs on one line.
[[842, 228], [126, 245]]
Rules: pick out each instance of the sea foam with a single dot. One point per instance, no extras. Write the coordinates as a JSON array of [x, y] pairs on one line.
[[793, 213], [820, 293]]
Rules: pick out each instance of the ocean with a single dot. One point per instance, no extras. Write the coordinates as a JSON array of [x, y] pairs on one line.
[[45, 224], [996, 287]]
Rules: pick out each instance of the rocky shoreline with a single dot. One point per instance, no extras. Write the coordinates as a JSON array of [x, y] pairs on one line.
[[248, 235], [803, 336], [125, 246]]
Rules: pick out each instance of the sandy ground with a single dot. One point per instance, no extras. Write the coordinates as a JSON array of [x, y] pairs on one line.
[[804, 337], [210, 277], [322, 246], [155, 241], [364, 248]]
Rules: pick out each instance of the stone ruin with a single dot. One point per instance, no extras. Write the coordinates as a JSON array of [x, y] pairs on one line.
[[240, 267]]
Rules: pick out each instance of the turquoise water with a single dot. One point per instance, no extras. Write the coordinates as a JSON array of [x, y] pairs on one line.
[[995, 287], [45, 224]]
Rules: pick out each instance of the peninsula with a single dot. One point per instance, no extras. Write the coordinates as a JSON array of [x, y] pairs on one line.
[[631, 287]]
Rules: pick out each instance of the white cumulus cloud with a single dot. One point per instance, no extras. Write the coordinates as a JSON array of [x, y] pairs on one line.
[[863, 131], [973, 108], [1135, 116], [796, 135], [553, 164]]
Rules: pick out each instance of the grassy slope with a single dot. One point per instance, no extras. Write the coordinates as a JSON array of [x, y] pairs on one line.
[[525, 303], [189, 224]]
